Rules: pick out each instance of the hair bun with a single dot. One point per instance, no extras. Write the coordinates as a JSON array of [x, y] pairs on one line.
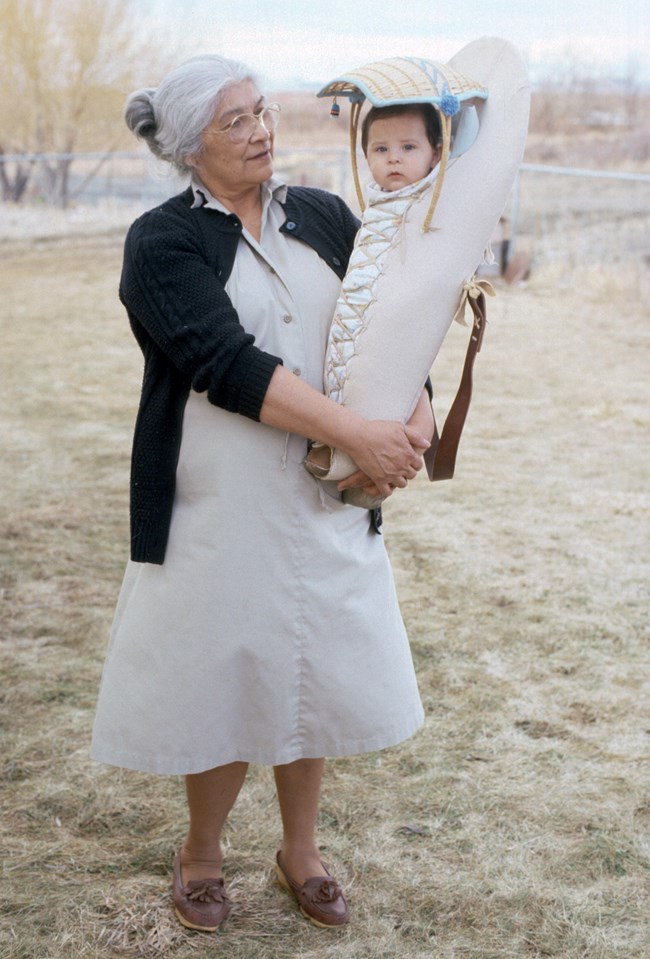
[[139, 113]]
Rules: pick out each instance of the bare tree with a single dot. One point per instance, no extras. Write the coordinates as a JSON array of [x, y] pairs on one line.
[[68, 65]]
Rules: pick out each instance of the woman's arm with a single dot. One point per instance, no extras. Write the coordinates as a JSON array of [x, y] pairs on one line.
[[178, 306], [389, 453]]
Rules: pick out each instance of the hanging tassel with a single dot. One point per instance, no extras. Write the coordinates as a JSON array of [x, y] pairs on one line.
[[335, 109]]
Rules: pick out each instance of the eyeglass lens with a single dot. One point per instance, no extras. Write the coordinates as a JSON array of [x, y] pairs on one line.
[[242, 127]]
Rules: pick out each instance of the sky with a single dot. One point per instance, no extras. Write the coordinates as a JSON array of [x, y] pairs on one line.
[[305, 43]]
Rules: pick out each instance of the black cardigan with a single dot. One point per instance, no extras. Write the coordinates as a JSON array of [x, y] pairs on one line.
[[177, 260]]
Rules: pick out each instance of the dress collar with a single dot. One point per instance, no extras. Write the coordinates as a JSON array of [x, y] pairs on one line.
[[272, 189]]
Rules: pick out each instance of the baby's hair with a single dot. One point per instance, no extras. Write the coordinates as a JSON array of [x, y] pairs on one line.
[[428, 113]]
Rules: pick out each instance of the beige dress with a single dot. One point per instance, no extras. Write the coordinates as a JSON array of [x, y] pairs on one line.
[[272, 631]]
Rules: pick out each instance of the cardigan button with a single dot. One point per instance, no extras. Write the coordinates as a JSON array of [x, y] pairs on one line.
[[290, 225], [287, 318], [296, 371], [336, 261]]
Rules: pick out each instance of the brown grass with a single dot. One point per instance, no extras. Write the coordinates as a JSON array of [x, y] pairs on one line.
[[515, 825]]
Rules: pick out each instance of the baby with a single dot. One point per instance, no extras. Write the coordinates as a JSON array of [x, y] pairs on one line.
[[402, 145]]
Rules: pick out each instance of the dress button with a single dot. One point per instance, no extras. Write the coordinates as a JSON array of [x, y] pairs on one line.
[[286, 318], [290, 225], [336, 261], [296, 371]]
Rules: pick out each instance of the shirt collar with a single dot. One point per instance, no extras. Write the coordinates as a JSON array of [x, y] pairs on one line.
[[272, 189]]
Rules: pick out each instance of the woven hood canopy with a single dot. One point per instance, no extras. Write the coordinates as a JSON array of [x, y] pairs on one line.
[[404, 80]]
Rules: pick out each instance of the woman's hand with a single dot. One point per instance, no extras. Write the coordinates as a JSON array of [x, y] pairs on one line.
[[388, 454], [359, 479], [422, 423], [422, 416]]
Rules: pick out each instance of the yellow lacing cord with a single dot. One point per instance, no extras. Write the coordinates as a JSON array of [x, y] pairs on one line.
[[471, 290], [355, 113], [446, 143]]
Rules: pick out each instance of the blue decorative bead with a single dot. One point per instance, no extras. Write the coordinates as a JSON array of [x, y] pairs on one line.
[[449, 105], [335, 109]]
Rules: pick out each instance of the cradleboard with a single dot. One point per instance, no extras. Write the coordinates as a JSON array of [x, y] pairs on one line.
[[412, 268]]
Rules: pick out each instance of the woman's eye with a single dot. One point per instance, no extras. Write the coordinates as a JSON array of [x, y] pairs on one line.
[[236, 124]]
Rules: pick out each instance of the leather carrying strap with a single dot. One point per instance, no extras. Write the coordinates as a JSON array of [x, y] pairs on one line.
[[440, 458]]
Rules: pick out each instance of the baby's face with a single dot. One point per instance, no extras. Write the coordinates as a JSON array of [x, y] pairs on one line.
[[399, 151]]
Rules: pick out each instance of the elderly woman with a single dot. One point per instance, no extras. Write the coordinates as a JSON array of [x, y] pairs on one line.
[[257, 621]]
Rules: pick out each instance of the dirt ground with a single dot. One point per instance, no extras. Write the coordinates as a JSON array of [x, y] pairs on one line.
[[516, 824]]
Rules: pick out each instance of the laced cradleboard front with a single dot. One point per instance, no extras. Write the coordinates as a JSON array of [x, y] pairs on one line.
[[381, 230]]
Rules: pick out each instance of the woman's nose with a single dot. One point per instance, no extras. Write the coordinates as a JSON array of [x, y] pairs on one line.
[[260, 132]]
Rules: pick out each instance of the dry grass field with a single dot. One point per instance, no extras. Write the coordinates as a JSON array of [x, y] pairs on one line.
[[516, 825]]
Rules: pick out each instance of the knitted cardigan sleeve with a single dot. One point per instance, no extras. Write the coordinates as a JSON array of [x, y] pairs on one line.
[[177, 305]]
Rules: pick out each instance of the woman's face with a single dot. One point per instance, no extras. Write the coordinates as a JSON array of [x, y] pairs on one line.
[[227, 168]]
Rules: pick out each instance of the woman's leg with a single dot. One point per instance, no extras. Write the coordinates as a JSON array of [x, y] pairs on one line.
[[298, 785], [210, 797]]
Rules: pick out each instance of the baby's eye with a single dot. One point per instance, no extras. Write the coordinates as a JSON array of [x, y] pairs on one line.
[[409, 146], [380, 149]]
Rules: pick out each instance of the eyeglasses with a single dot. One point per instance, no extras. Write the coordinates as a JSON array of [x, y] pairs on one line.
[[243, 126]]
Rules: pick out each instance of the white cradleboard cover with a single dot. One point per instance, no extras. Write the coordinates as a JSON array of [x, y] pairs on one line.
[[404, 284]]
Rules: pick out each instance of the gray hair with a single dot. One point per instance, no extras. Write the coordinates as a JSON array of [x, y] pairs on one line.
[[172, 117]]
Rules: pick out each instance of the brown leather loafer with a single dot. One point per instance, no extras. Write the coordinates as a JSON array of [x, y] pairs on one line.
[[201, 904], [320, 898]]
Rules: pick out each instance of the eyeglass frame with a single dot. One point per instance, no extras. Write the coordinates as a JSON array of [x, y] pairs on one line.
[[258, 117]]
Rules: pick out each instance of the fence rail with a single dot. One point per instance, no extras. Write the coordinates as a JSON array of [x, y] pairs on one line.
[[584, 172], [554, 211]]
